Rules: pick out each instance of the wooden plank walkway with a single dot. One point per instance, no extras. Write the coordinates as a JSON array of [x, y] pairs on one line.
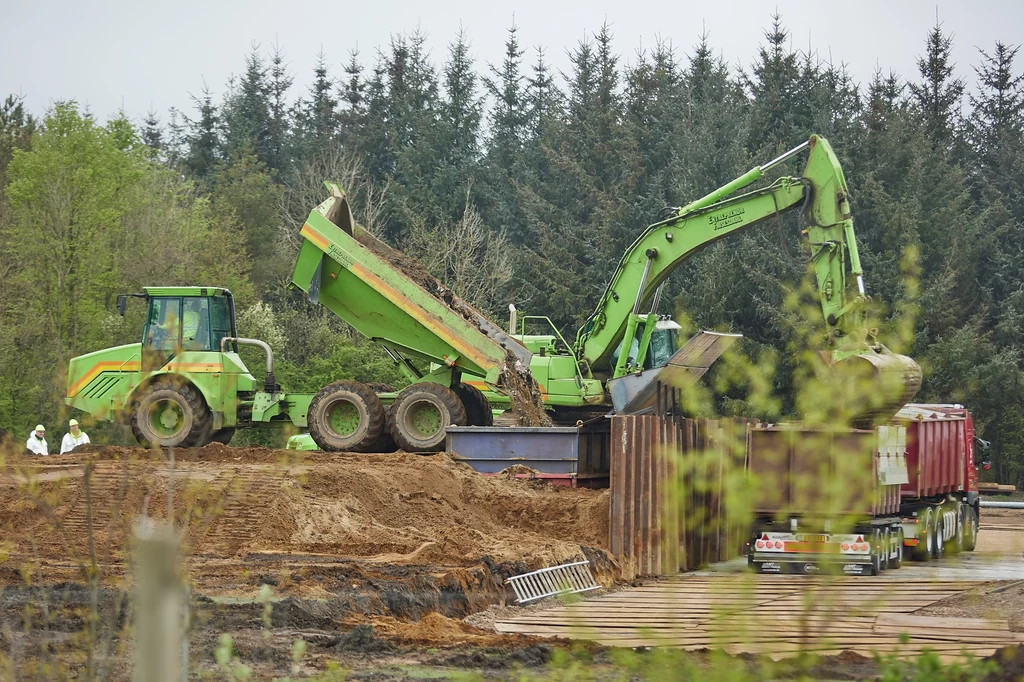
[[774, 615]]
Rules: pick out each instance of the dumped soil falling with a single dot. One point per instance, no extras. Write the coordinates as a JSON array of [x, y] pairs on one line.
[[518, 383]]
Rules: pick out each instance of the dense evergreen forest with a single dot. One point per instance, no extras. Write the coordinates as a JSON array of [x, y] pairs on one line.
[[516, 183]]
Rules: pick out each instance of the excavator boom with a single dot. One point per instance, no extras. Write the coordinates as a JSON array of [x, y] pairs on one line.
[[821, 194], [613, 341]]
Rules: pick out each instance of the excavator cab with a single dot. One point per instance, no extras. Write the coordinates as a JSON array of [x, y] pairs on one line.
[[663, 343], [660, 347]]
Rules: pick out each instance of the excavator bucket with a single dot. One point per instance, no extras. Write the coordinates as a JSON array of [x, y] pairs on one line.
[[636, 393], [876, 384]]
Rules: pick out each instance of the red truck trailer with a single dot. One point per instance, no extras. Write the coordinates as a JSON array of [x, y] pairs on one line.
[[940, 498], [853, 499]]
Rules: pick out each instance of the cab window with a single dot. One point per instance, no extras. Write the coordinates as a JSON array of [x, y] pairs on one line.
[[163, 329], [195, 324], [162, 336], [662, 348], [221, 320]]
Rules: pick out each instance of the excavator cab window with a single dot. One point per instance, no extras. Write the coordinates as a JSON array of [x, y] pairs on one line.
[[663, 347]]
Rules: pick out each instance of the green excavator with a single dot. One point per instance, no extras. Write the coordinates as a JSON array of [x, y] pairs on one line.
[[184, 384]]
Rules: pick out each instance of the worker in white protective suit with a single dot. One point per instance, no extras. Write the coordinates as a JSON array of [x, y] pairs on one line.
[[36, 442], [73, 438]]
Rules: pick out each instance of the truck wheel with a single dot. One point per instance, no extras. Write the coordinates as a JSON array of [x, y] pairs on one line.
[[885, 549], [168, 415], [925, 537], [897, 562], [421, 413], [384, 443], [478, 407], [938, 533], [223, 436], [345, 416], [956, 542], [971, 530]]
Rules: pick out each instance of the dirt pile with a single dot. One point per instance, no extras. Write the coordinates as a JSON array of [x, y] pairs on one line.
[[395, 509]]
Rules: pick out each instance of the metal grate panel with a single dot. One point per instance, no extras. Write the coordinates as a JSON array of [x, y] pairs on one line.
[[547, 582]]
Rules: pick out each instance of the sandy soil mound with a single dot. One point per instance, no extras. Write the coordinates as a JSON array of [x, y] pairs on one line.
[[232, 502]]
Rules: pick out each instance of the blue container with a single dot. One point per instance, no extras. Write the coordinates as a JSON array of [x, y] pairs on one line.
[[564, 451]]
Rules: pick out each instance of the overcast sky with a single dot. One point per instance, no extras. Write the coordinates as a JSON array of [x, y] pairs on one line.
[[110, 54]]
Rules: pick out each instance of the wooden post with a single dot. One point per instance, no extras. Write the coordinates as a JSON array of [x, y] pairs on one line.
[[159, 605]]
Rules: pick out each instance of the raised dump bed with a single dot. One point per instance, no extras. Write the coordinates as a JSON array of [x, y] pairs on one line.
[[390, 299]]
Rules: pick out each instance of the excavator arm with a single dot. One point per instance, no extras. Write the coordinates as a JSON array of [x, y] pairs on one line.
[[820, 193]]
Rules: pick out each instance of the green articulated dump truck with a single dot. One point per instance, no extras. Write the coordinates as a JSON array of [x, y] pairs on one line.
[[184, 383]]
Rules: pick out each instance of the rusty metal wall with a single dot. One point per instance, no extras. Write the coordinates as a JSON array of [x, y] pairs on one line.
[[670, 480]]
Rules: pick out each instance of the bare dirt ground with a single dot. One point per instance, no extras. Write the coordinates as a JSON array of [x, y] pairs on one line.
[[370, 561]]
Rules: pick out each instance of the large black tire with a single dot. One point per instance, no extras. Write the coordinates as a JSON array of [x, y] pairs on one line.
[[939, 546], [956, 543], [421, 413], [478, 407], [223, 436], [886, 550], [971, 531], [345, 416], [897, 562], [925, 536], [384, 443], [169, 414]]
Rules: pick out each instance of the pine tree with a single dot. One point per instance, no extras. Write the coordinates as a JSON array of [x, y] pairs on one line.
[[247, 112], [455, 139], [315, 119], [203, 138], [462, 107], [703, 76], [997, 119], [774, 87], [352, 111], [938, 95], [711, 129], [508, 117], [543, 99], [279, 116], [608, 154], [885, 94], [152, 133], [321, 115], [582, 92], [829, 102], [16, 129], [654, 110]]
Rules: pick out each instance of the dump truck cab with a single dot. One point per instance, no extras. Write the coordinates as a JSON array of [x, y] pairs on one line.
[[176, 386], [183, 320]]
